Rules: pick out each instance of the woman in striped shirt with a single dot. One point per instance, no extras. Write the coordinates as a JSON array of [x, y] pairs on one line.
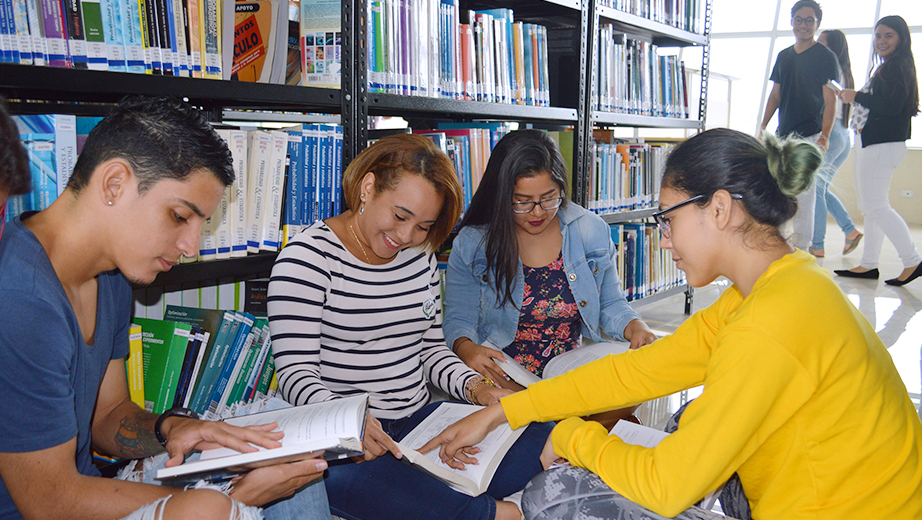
[[355, 307]]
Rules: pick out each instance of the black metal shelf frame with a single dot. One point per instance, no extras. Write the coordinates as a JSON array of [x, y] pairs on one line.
[[65, 88]]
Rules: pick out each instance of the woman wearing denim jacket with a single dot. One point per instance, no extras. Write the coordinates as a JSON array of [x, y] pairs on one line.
[[530, 271]]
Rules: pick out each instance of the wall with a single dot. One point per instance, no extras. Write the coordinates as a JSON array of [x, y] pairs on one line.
[[908, 176]]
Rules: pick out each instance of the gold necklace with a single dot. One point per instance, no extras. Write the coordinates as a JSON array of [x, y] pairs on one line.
[[356, 237]]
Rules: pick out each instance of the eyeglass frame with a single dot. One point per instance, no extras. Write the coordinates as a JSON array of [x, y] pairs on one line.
[[663, 225], [803, 21], [534, 204]]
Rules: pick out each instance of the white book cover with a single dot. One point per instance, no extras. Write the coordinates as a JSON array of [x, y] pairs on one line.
[[270, 234], [258, 151], [237, 143], [65, 147], [335, 426]]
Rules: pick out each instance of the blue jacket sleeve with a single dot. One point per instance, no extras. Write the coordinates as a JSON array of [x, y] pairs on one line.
[[615, 311], [462, 293]]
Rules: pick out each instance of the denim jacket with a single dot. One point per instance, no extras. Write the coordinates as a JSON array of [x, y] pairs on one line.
[[471, 306]]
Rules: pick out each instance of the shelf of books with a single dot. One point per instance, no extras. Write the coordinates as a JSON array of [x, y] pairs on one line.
[[655, 19]]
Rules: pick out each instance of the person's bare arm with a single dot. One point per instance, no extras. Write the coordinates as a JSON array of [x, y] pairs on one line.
[[45, 484], [829, 117], [774, 99]]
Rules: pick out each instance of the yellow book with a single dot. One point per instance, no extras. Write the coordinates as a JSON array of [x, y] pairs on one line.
[[135, 366]]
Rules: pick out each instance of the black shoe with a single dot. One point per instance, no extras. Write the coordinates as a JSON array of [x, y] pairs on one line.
[[873, 274], [915, 274]]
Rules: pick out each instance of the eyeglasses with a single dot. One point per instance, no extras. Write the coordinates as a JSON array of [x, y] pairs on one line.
[[806, 21], [528, 206], [664, 223]]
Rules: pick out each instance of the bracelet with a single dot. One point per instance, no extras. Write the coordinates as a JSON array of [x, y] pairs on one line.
[[472, 387], [176, 411]]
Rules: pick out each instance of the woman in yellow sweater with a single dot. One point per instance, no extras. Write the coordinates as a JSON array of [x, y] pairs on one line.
[[807, 408]]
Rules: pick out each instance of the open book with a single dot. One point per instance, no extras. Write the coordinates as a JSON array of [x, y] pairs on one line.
[[336, 426], [590, 351], [475, 478]]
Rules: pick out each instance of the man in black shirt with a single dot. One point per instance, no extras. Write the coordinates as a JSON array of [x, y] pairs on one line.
[[807, 106]]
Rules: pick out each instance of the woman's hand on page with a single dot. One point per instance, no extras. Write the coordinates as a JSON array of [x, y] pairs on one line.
[[185, 434], [639, 334], [485, 360], [549, 457], [376, 441], [456, 442], [270, 483]]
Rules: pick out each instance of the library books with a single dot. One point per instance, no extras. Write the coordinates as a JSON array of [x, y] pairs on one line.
[[259, 32], [321, 43], [475, 478], [335, 427], [433, 48], [635, 79], [683, 14], [168, 37], [645, 267], [625, 175], [589, 351]]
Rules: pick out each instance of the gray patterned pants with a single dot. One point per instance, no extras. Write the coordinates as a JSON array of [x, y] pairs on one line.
[[570, 493]]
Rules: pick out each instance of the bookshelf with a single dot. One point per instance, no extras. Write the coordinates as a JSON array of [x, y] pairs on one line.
[[34, 89]]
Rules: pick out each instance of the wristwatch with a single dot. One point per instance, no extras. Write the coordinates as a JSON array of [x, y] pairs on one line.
[[175, 411]]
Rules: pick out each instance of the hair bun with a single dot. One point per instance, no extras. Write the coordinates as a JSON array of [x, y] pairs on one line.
[[791, 162]]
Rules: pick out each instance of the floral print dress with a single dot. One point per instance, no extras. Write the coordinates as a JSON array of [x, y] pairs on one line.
[[549, 320]]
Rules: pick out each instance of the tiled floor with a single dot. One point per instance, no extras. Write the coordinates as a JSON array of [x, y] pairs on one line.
[[896, 312]]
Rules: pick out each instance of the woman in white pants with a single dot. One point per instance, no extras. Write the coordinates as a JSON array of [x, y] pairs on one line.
[[884, 108]]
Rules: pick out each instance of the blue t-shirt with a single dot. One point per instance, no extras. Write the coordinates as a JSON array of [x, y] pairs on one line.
[[49, 376]]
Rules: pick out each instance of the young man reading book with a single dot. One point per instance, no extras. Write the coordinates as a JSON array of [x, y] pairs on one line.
[[147, 178]]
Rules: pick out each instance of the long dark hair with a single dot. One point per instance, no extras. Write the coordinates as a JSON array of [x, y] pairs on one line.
[[900, 65], [836, 42], [769, 174], [523, 153]]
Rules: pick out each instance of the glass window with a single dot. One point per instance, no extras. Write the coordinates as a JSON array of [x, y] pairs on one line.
[[730, 17], [841, 14], [859, 51], [743, 58], [911, 11]]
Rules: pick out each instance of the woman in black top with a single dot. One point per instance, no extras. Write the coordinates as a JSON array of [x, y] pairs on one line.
[[882, 113]]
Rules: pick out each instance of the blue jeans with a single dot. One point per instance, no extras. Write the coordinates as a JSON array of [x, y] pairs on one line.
[[308, 503], [839, 148], [386, 488]]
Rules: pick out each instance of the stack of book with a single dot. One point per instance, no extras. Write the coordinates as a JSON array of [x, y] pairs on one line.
[[625, 175], [635, 79], [683, 14], [422, 48], [207, 360], [216, 39], [645, 268]]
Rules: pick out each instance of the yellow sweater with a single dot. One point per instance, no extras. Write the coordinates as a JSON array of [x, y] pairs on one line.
[[800, 398]]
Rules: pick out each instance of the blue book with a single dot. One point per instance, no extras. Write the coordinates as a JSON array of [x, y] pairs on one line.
[[40, 149], [337, 169], [310, 204], [210, 371], [245, 321], [325, 172], [529, 49], [295, 184]]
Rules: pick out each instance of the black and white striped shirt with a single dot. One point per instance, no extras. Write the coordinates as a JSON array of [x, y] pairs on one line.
[[342, 327]]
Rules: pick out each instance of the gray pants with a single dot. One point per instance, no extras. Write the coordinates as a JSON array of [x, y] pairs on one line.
[[573, 493]]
